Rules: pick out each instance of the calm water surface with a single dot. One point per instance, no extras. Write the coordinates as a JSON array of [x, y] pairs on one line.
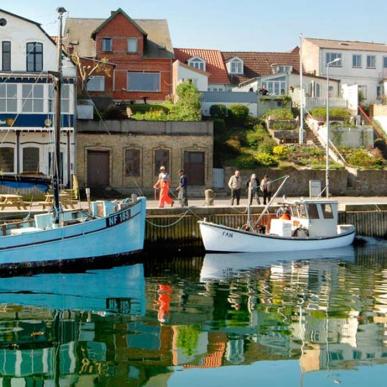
[[218, 320]]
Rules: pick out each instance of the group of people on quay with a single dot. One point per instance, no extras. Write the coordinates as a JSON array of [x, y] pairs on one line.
[[255, 188], [163, 184]]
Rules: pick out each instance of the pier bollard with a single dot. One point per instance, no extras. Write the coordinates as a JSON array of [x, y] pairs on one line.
[[209, 196]]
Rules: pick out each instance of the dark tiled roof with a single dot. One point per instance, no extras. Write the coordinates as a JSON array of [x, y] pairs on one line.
[[214, 62], [158, 44], [257, 64]]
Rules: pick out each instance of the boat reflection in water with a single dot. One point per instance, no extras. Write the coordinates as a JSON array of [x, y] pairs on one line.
[[222, 320]]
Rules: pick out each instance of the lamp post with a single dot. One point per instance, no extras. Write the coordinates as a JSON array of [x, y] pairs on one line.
[[327, 126], [301, 132]]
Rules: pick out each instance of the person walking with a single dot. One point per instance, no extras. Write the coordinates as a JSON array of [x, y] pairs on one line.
[[266, 189], [163, 185], [235, 184], [253, 189], [182, 189]]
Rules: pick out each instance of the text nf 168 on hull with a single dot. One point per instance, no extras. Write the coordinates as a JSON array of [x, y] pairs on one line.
[[311, 225]]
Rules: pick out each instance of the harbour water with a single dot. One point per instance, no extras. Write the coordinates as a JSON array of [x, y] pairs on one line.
[[217, 320]]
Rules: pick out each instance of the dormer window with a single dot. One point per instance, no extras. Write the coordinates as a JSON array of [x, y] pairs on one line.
[[197, 63], [281, 69], [235, 66]]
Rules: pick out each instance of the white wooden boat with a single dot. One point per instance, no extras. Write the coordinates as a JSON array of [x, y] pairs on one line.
[[112, 228], [313, 226]]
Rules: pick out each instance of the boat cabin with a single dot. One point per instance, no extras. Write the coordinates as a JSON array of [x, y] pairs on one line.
[[309, 218]]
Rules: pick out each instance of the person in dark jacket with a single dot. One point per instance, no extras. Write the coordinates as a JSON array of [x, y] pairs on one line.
[[182, 189], [253, 189]]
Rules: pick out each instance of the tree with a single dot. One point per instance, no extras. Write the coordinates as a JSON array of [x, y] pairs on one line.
[[187, 106], [86, 71]]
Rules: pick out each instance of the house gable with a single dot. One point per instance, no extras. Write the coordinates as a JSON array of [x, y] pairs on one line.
[[119, 35]]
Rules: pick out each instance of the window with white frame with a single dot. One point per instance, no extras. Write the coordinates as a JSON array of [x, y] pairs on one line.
[[385, 62], [65, 99], [7, 160], [143, 81], [197, 63], [331, 56], [32, 98], [236, 66], [6, 55], [34, 56], [276, 86], [132, 45], [356, 61], [107, 45], [8, 98], [371, 61], [96, 83]]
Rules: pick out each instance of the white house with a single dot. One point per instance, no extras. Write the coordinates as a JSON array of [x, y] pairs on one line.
[[27, 55], [208, 61], [183, 72], [358, 63]]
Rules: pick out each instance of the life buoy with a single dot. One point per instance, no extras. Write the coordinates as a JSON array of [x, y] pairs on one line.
[[300, 232]]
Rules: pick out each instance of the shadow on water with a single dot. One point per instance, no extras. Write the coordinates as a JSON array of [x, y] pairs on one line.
[[168, 315]]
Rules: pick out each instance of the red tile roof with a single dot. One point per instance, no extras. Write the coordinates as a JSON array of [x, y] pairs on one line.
[[214, 62], [258, 64]]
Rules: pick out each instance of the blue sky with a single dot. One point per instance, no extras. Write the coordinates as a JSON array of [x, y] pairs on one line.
[[255, 25]]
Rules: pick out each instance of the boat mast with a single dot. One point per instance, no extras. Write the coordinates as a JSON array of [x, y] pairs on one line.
[[58, 87]]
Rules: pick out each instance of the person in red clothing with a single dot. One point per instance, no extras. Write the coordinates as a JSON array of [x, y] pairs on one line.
[[163, 185]]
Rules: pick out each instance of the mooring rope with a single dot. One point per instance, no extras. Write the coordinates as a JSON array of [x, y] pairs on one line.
[[171, 224]]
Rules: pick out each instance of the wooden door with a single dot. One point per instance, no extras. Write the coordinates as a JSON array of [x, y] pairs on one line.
[[98, 168], [194, 167]]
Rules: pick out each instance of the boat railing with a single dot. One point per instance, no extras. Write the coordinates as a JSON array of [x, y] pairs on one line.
[[271, 200]]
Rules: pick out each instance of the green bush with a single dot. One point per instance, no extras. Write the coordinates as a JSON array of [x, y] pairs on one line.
[[266, 160], [283, 125], [245, 161], [279, 114], [146, 107], [157, 115], [281, 151], [361, 158], [238, 114], [335, 113], [256, 136], [187, 107], [218, 111], [266, 145], [234, 144]]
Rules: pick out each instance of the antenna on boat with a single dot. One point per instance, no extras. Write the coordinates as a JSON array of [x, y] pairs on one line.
[[58, 87]]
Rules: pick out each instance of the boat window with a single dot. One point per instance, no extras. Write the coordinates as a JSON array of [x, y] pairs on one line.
[[327, 210], [313, 211], [301, 209]]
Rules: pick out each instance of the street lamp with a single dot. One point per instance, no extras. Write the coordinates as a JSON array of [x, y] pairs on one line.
[[327, 126]]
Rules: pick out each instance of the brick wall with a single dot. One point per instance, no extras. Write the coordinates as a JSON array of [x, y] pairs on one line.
[[120, 139], [119, 30]]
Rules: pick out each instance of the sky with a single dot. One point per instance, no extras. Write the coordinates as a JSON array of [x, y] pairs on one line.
[[235, 25]]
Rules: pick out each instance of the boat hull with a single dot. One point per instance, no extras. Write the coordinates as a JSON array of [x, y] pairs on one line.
[[116, 234], [218, 238]]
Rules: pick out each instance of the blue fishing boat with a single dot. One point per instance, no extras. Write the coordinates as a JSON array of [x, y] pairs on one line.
[[20, 183], [109, 228]]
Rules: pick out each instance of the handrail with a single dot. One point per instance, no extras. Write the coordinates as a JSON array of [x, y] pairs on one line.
[[371, 122], [271, 200]]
